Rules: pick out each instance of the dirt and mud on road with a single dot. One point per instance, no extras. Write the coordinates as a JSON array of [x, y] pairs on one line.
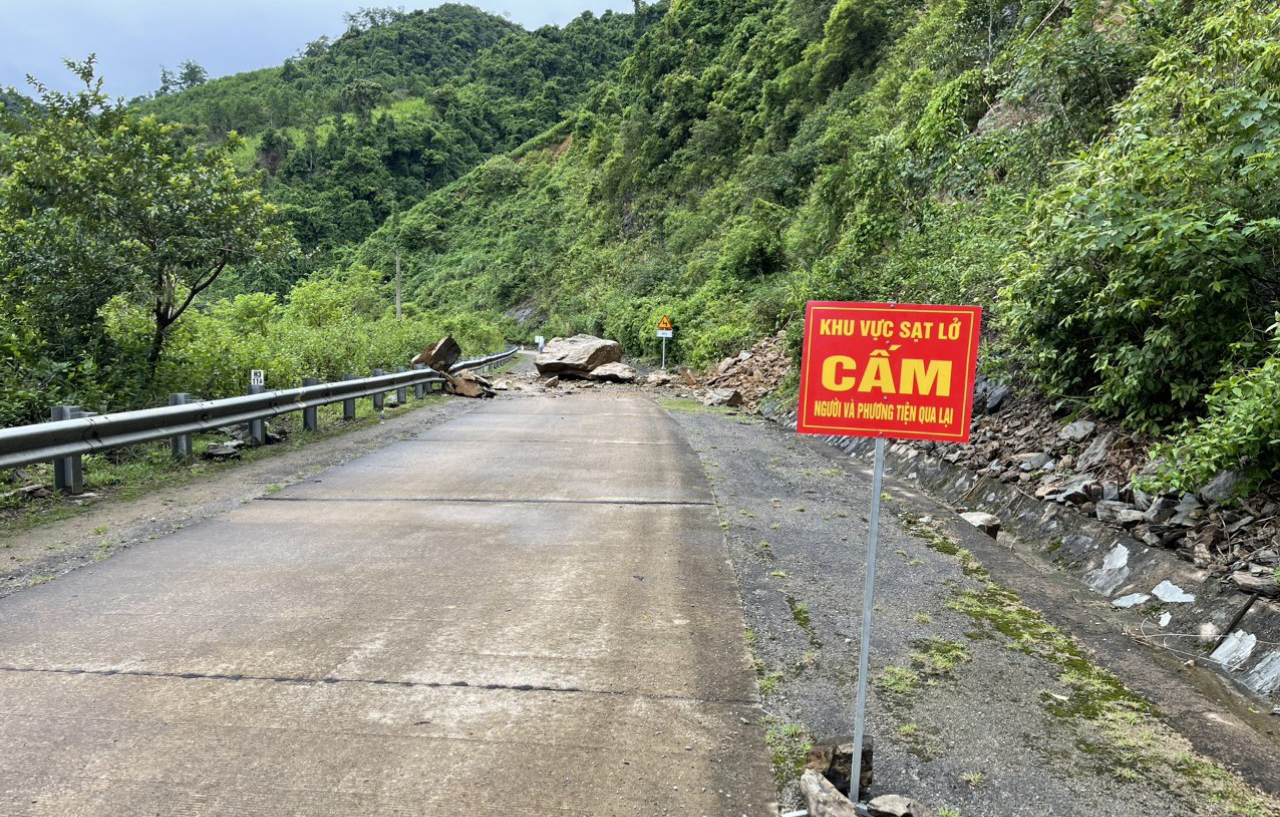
[[979, 705]]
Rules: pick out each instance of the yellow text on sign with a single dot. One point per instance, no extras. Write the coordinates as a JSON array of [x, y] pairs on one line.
[[915, 376]]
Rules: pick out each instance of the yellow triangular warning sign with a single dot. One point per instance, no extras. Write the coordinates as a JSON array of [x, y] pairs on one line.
[[665, 323]]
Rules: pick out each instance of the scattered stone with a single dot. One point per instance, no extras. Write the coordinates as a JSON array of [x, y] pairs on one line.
[[222, 452], [441, 356], [1220, 488], [833, 759], [895, 805], [502, 385], [1131, 600], [822, 798], [1032, 461], [551, 382], [985, 522], [577, 355], [1078, 431], [1097, 451], [722, 397], [1077, 490], [1161, 510], [659, 378], [1263, 585], [996, 397], [689, 379], [467, 383], [1171, 593], [614, 373]]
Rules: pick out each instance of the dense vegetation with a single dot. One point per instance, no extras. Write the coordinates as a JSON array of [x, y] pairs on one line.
[[1101, 175]]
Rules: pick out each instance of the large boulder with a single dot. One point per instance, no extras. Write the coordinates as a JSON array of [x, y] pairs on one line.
[[441, 356], [577, 355]]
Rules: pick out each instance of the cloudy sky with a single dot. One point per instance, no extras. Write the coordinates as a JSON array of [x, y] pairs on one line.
[[133, 38]]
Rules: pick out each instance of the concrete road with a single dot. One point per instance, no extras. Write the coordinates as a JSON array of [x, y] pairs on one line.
[[525, 611]]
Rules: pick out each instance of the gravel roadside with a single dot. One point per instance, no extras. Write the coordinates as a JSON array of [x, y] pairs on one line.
[[978, 705]]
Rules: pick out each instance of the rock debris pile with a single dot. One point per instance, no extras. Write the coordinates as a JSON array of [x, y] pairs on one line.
[[752, 373]]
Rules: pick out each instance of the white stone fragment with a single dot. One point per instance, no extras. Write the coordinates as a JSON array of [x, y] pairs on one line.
[[1131, 600], [1235, 649], [1171, 593]]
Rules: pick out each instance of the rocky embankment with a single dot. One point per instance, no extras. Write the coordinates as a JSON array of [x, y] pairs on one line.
[[1073, 485]]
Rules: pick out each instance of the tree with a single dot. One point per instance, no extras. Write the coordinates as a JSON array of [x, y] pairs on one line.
[[95, 201], [190, 74]]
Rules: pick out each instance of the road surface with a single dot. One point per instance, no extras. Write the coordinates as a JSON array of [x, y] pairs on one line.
[[525, 611]]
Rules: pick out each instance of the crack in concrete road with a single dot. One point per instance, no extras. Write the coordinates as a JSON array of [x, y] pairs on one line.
[[303, 681]]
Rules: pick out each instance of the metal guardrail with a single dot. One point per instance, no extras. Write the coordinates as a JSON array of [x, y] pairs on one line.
[[72, 433]]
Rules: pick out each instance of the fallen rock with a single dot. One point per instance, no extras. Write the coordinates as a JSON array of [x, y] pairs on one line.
[[467, 383], [1078, 431], [822, 798], [577, 355], [895, 805], [1097, 451], [1109, 511], [502, 385], [1220, 488], [722, 397], [1078, 490], [551, 382], [441, 356], [833, 759], [222, 451], [985, 522], [614, 373], [689, 379], [659, 378], [1264, 585]]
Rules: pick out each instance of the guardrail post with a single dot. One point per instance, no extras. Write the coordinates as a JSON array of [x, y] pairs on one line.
[[257, 428], [180, 445], [419, 389], [68, 472], [402, 393], [379, 397], [310, 417], [349, 405]]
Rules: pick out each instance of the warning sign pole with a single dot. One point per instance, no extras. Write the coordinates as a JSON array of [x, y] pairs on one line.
[[885, 371], [868, 602], [665, 330]]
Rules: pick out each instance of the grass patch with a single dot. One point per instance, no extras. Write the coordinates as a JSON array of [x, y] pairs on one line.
[[789, 744], [804, 620]]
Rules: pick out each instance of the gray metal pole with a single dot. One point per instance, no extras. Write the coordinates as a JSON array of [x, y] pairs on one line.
[[349, 406], [68, 472], [310, 416], [379, 397], [180, 445], [664, 354], [868, 602], [257, 428]]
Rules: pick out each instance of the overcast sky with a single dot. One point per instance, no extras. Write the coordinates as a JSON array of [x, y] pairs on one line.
[[133, 38]]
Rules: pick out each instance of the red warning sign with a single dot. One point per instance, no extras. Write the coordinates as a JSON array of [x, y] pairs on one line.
[[902, 371]]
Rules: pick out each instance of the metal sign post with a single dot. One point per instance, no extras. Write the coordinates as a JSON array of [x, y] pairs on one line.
[[886, 371], [665, 330], [868, 604]]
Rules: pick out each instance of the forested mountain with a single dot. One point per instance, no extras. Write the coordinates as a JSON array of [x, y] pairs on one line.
[[1100, 175], [396, 107]]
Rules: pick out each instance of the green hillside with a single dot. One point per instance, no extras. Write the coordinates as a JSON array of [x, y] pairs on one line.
[[1099, 175]]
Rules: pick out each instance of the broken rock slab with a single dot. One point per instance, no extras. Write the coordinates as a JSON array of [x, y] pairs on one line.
[[1078, 431], [985, 522], [833, 759], [722, 397], [440, 357], [467, 383], [659, 379], [614, 373], [895, 805], [822, 798], [577, 355]]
